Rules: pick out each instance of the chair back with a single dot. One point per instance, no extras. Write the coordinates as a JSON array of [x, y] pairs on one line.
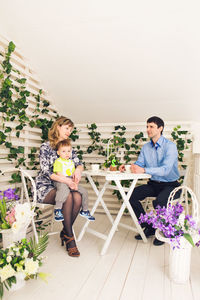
[[27, 174], [47, 209], [186, 195]]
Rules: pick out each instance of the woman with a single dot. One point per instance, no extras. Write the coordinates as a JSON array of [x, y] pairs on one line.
[[46, 191]]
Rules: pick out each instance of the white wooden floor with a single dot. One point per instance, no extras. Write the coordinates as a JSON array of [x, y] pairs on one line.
[[130, 270]]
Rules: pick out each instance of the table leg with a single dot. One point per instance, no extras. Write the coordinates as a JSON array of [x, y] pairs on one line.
[[119, 215], [99, 195], [113, 229], [99, 199], [126, 198]]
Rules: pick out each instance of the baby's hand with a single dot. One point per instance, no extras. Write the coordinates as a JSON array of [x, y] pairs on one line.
[[73, 185]]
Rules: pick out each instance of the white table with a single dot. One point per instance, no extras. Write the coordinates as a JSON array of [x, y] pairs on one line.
[[116, 177]]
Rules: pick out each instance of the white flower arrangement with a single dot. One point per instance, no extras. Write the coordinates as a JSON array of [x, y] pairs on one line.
[[23, 215], [21, 258], [12, 213]]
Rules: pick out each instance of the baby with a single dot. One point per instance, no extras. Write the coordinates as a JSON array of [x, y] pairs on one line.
[[64, 165]]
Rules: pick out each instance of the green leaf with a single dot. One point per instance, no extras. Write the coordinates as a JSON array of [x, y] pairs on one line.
[[19, 127], [1, 290], [22, 80], [8, 145], [38, 248], [5, 226], [20, 149], [32, 123], [45, 103], [15, 177], [188, 237], [7, 82], [8, 129], [38, 123], [11, 47], [2, 137]]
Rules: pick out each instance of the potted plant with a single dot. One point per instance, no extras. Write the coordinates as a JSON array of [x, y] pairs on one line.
[[20, 262], [179, 229]]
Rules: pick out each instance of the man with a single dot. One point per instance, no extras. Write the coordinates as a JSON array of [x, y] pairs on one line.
[[159, 158]]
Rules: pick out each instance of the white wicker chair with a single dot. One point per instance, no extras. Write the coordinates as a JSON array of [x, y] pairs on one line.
[[27, 175], [185, 192], [147, 203], [11, 170]]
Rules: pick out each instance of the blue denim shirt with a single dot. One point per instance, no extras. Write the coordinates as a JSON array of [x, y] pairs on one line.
[[160, 160]]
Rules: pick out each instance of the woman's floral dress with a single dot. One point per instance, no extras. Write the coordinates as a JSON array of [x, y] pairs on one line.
[[47, 156]]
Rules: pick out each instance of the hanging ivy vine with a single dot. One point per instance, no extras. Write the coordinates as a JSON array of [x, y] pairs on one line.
[[14, 101], [117, 141]]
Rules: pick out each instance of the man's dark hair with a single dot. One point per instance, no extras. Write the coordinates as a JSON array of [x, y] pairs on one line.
[[158, 121]]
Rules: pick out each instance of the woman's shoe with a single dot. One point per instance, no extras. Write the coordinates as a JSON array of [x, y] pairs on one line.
[[67, 239], [62, 233], [73, 252]]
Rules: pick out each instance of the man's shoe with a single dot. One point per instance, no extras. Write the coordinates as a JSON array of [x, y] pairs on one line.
[[156, 242], [147, 231]]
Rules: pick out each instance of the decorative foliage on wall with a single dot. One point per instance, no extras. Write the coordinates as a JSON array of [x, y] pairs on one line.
[[180, 137], [117, 147], [14, 103], [14, 109]]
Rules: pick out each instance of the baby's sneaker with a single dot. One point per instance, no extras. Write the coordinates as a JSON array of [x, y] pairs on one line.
[[58, 216], [86, 214]]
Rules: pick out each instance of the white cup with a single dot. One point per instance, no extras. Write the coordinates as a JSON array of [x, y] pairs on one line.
[[128, 168], [95, 167]]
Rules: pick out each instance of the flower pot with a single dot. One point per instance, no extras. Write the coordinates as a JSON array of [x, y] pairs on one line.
[[179, 262], [20, 282], [179, 259], [9, 236], [112, 168]]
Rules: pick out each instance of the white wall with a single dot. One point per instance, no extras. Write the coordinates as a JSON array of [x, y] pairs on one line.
[[112, 61]]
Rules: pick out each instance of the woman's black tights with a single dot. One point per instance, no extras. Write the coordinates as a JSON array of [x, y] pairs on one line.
[[70, 210]]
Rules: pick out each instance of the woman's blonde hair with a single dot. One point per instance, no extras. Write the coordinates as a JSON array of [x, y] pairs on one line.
[[53, 134]]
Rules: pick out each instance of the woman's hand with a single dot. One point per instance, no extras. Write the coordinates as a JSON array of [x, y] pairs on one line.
[[77, 174], [72, 185]]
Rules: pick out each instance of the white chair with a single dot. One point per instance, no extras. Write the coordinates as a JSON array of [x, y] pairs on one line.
[[10, 171], [28, 182]]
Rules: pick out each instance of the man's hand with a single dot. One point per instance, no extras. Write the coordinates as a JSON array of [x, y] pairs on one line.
[[122, 168], [137, 169]]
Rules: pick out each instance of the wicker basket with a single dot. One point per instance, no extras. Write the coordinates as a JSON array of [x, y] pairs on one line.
[[179, 258], [179, 262], [8, 236], [20, 282]]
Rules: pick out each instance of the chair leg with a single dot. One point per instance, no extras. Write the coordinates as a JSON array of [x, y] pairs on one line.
[[52, 223]]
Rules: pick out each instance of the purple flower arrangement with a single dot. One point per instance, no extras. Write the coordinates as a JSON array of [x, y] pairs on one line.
[[8, 199], [174, 224], [9, 194]]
